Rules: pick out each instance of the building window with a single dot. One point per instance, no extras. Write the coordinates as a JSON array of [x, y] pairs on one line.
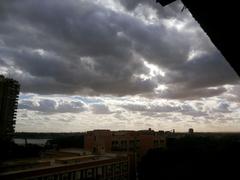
[[109, 170], [89, 173], [99, 171], [78, 175], [49, 178], [125, 167], [117, 169], [64, 176]]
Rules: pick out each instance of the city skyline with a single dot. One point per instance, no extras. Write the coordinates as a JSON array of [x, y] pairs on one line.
[[86, 65]]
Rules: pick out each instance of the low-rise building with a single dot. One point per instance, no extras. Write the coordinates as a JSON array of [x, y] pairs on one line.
[[139, 142], [104, 167]]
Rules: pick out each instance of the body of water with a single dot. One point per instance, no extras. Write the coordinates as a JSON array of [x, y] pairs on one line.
[[40, 142]]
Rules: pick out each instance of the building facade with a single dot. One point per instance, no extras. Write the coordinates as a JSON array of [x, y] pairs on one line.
[[98, 141], [139, 142], [9, 91], [98, 167]]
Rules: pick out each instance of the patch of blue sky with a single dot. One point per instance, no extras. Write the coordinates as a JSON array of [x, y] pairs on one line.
[[88, 100], [25, 96]]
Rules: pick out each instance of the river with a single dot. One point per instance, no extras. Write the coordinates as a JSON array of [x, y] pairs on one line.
[[40, 142]]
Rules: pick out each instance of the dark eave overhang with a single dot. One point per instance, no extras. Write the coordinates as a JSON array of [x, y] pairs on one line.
[[219, 19]]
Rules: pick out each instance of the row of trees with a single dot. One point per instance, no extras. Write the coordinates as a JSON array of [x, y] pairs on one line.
[[193, 157]]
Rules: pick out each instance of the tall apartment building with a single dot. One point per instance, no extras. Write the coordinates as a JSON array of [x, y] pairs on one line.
[[9, 91]]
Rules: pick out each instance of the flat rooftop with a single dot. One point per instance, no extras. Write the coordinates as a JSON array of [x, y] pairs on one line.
[[55, 164]]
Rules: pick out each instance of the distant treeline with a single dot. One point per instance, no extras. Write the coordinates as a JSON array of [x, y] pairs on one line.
[[66, 142], [35, 135], [10, 151]]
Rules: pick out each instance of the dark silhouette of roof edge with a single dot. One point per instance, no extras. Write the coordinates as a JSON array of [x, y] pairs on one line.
[[219, 20]]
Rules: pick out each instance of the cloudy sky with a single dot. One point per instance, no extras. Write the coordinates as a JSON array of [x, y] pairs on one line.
[[106, 64]]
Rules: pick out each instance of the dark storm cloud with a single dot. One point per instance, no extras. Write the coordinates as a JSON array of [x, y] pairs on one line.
[[78, 47], [208, 70], [171, 11], [201, 77], [82, 49], [179, 92]]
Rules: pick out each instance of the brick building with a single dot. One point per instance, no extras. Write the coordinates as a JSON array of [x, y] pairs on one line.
[[98, 141], [139, 142]]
